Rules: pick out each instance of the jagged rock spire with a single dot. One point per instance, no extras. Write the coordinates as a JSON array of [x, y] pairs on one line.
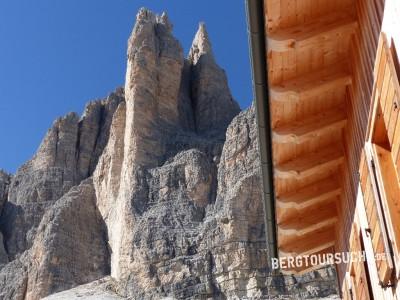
[[163, 19], [214, 106], [145, 15], [4, 183], [153, 76], [67, 154], [201, 44]]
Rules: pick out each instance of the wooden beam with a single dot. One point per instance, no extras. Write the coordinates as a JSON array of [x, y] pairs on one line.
[[312, 84], [317, 192], [390, 190], [317, 162], [308, 220], [309, 243], [318, 31], [309, 128]]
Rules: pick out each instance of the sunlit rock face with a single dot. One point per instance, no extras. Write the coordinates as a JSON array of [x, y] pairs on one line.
[[154, 192], [67, 155]]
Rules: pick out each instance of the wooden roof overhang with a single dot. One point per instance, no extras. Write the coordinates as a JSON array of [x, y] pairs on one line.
[[307, 73]]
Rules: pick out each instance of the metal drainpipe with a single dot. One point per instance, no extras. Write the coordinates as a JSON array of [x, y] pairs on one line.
[[257, 41]]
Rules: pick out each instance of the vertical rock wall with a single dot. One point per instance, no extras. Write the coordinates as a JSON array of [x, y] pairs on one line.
[[4, 184], [67, 155]]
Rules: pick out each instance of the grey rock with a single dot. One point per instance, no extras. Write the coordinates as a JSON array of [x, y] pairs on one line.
[[70, 246], [108, 108], [98, 290], [67, 155], [4, 184], [39, 183], [3, 253], [14, 279], [214, 105], [94, 130], [208, 242], [108, 181], [154, 68], [185, 105], [5, 179], [69, 249]]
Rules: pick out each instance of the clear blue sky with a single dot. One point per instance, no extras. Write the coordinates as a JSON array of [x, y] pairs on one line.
[[57, 55]]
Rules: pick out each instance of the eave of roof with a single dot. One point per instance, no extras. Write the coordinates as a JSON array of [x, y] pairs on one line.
[[257, 43]]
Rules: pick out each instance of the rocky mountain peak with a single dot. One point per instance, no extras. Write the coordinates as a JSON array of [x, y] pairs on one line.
[[213, 103], [201, 45], [145, 15], [4, 174], [164, 19]]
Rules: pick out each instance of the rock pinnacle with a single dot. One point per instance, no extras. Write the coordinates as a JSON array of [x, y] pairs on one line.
[[201, 44]]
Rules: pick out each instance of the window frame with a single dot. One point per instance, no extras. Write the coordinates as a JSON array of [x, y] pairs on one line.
[[377, 143]]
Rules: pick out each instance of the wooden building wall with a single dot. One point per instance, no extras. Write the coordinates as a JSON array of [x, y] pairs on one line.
[[333, 72], [372, 145], [362, 52]]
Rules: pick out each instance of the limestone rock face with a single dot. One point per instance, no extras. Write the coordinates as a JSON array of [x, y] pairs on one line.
[[94, 129], [98, 290], [39, 183], [155, 192], [4, 184], [214, 106], [68, 154], [70, 246], [14, 278], [3, 253], [69, 249], [154, 68]]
